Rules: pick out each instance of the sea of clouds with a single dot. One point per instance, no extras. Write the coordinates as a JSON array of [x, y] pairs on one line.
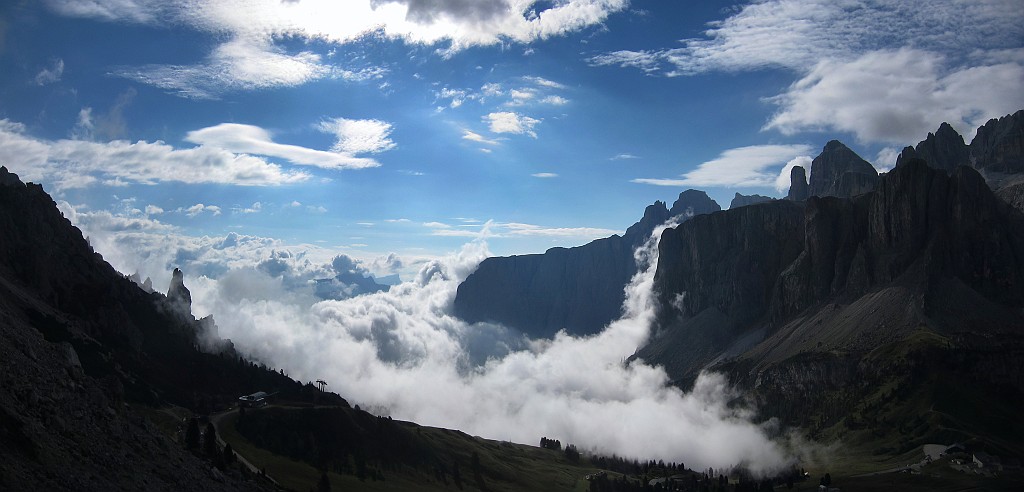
[[404, 354]]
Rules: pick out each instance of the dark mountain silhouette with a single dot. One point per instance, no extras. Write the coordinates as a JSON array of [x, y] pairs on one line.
[[798, 188], [944, 150], [744, 200], [839, 171], [577, 289], [83, 347], [916, 286]]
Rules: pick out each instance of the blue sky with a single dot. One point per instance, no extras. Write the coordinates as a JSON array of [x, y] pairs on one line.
[[394, 131]]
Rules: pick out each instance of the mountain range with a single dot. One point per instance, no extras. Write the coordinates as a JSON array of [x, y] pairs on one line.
[[857, 297], [883, 311]]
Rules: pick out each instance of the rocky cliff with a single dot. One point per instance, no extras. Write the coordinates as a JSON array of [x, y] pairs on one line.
[[999, 145], [83, 348], [798, 188], [920, 232], [578, 289], [944, 150], [744, 200], [839, 171]]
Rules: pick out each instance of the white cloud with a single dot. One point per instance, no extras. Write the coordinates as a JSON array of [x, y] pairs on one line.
[[378, 349], [740, 167], [886, 70], [436, 225], [544, 175], [243, 63], [476, 137], [555, 100], [256, 207], [51, 74], [797, 34], [648, 61], [78, 163], [623, 157], [542, 82], [508, 122], [358, 136], [249, 139], [135, 11], [784, 179], [520, 96], [153, 210], [898, 96], [199, 208], [886, 159], [252, 59]]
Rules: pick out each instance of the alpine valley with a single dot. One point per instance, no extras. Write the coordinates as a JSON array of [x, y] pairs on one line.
[[876, 318]]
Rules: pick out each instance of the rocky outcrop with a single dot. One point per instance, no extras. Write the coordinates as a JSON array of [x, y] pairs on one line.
[[577, 289], [999, 145], [177, 294], [692, 203], [81, 345], [940, 247], [839, 171], [798, 188], [944, 150], [728, 261], [744, 200]]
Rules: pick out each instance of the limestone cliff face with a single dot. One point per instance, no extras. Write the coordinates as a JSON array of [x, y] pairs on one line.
[[924, 247], [728, 261], [744, 200], [798, 188], [999, 145], [944, 150], [579, 289], [839, 171]]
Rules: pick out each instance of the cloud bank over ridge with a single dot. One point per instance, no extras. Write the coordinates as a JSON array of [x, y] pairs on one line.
[[402, 353]]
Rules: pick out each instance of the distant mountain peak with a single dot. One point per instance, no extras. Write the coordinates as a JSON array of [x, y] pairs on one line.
[[839, 171]]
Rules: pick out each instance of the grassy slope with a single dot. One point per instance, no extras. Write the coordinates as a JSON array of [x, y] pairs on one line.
[[506, 466]]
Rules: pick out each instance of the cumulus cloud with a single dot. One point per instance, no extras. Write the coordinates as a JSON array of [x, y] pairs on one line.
[[886, 71], [252, 58], [79, 163], [358, 136], [797, 34], [897, 96], [740, 167], [50, 74], [199, 208], [508, 122], [249, 139], [784, 179]]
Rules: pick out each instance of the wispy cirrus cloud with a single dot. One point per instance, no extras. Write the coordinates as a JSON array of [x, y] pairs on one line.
[[79, 163], [750, 166], [50, 74], [353, 137]]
